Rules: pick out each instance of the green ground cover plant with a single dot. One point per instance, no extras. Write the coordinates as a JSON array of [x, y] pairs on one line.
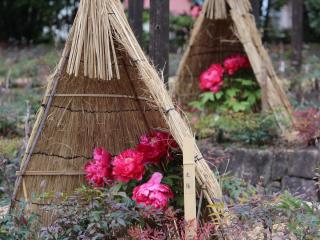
[[18, 225], [109, 213], [257, 214], [247, 128]]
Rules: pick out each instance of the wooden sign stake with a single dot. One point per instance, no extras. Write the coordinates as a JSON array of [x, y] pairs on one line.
[[190, 204]]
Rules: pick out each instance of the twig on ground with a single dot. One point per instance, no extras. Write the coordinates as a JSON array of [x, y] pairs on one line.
[[8, 78], [27, 126]]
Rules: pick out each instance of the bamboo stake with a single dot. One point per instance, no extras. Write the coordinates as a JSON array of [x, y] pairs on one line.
[[190, 204]]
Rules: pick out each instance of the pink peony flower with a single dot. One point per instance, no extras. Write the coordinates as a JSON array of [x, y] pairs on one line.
[[216, 88], [155, 145], [153, 193], [212, 79], [128, 165], [195, 11], [234, 63], [98, 171]]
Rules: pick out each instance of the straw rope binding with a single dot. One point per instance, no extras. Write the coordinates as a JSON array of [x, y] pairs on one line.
[[99, 95], [50, 173]]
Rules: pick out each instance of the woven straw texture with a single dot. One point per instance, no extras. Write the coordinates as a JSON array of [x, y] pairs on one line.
[[224, 28], [79, 112]]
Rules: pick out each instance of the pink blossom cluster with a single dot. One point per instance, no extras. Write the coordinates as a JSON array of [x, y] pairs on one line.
[[130, 165], [212, 78], [235, 63]]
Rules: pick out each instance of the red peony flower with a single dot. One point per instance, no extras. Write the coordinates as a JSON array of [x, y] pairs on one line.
[[153, 193], [212, 79], [216, 88], [155, 145], [98, 171], [128, 165], [234, 63]]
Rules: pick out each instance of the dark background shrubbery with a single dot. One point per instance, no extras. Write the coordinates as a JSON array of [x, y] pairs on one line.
[[25, 21], [34, 21]]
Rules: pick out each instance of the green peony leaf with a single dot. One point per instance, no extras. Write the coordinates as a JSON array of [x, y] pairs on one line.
[[197, 105], [232, 92], [240, 106], [206, 97], [218, 95]]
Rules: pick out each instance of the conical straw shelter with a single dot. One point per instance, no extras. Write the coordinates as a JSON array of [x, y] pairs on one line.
[[224, 28], [104, 92]]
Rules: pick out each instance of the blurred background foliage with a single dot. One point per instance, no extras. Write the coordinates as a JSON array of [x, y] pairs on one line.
[[28, 21], [34, 21]]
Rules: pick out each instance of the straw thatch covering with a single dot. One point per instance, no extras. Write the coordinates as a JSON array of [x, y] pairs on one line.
[[224, 28], [90, 107]]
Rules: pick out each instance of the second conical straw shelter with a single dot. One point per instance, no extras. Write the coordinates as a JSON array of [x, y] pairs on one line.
[[103, 93], [225, 28]]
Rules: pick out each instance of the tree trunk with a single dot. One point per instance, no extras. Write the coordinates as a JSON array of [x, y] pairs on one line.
[[256, 10], [297, 33], [136, 18], [266, 22], [159, 36]]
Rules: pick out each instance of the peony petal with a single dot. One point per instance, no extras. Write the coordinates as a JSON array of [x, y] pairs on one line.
[[156, 178], [153, 192], [128, 165]]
